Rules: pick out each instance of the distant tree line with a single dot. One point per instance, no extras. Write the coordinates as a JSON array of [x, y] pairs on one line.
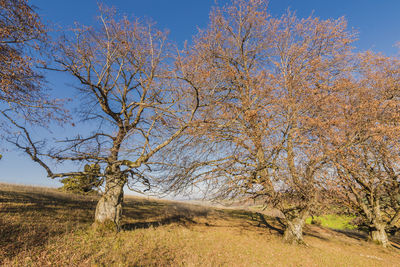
[[277, 109]]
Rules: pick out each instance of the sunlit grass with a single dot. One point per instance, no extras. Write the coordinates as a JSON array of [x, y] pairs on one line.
[[42, 227]]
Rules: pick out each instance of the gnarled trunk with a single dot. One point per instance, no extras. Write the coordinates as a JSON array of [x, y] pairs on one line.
[[294, 231], [109, 208], [378, 235]]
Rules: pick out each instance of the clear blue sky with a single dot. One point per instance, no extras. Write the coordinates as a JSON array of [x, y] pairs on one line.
[[378, 24]]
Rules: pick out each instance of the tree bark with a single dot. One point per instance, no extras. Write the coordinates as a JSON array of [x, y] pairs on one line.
[[294, 231], [378, 235], [109, 208]]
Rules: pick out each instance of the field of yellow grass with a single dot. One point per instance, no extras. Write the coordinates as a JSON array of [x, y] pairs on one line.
[[44, 227]]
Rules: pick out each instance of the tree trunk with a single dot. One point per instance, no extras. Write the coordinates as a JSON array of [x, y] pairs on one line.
[[109, 208], [378, 235], [294, 231]]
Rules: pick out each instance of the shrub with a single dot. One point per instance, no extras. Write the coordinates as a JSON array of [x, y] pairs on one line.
[[86, 183]]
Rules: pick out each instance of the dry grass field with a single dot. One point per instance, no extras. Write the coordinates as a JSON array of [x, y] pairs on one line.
[[44, 227]]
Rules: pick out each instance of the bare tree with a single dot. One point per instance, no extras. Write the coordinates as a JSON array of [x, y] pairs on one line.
[[131, 95], [269, 79], [22, 92], [368, 168]]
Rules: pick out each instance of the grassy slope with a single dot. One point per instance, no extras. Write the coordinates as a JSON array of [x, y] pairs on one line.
[[43, 227]]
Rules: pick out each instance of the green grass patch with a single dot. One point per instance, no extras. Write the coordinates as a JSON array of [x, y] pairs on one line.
[[333, 221]]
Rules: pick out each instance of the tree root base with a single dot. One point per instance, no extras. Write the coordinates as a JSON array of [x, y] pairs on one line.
[[107, 226]]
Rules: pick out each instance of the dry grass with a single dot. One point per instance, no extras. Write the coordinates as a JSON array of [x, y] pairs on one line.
[[43, 227]]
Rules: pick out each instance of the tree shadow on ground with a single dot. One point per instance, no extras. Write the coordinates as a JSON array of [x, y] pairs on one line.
[[180, 219], [139, 214], [43, 201], [264, 221], [358, 235], [395, 240], [363, 236], [16, 237], [30, 219], [182, 214]]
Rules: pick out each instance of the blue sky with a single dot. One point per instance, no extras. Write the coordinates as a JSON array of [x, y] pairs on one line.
[[377, 22]]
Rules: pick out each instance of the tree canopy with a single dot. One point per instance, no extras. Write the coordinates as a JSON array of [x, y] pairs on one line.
[[280, 109]]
